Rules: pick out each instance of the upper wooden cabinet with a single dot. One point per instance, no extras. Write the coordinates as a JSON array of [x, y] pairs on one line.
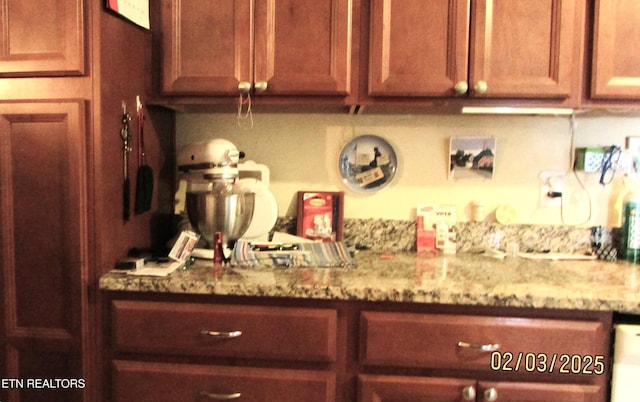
[[274, 47], [479, 48], [616, 64], [41, 38], [205, 49], [418, 48]]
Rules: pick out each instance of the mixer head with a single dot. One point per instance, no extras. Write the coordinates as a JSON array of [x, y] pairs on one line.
[[210, 160]]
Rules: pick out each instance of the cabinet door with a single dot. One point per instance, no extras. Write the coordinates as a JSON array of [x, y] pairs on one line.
[[533, 392], [41, 38], [524, 48], [43, 244], [206, 48], [417, 47], [303, 47], [616, 63], [381, 388]]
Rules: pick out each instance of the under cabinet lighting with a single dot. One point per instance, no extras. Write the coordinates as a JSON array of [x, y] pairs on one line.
[[517, 110]]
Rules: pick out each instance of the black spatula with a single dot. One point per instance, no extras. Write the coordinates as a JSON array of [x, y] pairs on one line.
[[144, 179]]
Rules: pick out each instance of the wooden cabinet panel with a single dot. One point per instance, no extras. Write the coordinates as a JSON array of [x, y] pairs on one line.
[[381, 388], [300, 47], [42, 38], [524, 48], [431, 340], [157, 382], [43, 244], [616, 64], [261, 332], [418, 48], [303, 47], [517, 49], [206, 49]]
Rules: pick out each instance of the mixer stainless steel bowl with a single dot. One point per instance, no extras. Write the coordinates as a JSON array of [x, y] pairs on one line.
[[218, 209]]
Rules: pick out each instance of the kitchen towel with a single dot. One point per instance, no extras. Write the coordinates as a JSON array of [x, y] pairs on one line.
[[311, 254]]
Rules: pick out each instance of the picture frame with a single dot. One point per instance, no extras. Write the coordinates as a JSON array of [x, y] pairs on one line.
[[472, 158], [136, 11], [320, 215]]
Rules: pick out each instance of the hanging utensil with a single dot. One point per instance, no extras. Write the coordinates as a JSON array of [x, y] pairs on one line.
[[125, 134], [144, 180]]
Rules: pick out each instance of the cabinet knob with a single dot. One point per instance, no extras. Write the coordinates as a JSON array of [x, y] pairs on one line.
[[261, 86], [480, 87], [469, 393], [461, 87], [491, 395], [244, 87]]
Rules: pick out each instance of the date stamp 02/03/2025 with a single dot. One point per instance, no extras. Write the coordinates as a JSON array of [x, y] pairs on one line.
[[549, 363]]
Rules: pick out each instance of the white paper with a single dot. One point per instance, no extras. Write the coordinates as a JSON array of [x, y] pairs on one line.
[[157, 269], [137, 11], [282, 237]]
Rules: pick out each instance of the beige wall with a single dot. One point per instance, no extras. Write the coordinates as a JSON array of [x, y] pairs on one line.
[[302, 151]]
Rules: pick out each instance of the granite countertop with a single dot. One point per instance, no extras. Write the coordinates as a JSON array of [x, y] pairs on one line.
[[465, 279]]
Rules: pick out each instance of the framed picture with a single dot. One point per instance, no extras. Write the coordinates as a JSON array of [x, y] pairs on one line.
[[320, 215], [136, 11], [472, 158]]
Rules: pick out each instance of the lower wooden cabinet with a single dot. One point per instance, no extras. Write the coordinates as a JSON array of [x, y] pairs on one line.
[[504, 358], [178, 351], [162, 382], [381, 388], [183, 348]]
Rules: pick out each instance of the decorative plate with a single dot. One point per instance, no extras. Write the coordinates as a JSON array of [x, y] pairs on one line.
[[368, 163]]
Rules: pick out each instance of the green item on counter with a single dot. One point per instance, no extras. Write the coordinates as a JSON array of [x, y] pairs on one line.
[[630, 230]]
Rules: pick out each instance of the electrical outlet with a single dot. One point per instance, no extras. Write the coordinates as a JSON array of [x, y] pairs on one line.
[[551, 182]]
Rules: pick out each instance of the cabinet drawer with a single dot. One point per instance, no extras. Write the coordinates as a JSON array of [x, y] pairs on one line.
[[381, 388], [160, 382], [432, 340], [298, 334]]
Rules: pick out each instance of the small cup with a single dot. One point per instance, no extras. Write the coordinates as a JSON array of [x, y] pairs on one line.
[[513, 249]]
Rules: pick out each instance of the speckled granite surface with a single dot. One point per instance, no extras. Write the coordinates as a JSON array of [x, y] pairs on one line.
[[400, 235], [465, 279]]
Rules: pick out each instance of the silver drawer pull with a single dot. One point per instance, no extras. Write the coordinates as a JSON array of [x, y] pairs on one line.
[[487, 347], [221, 334], [220, 397]]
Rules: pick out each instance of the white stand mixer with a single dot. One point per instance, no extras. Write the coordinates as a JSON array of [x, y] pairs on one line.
[[217, 200]]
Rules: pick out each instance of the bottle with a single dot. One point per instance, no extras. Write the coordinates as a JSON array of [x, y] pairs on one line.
[[442, 235], [218, 252], [630, 229]]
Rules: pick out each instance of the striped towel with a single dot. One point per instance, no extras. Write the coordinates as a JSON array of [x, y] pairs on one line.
[[311, 254]]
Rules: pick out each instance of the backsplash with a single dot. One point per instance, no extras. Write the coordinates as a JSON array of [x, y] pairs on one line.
[[399, 235], [302, 152]]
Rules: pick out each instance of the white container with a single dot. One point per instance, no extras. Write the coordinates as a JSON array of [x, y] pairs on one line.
[[626, 363]]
